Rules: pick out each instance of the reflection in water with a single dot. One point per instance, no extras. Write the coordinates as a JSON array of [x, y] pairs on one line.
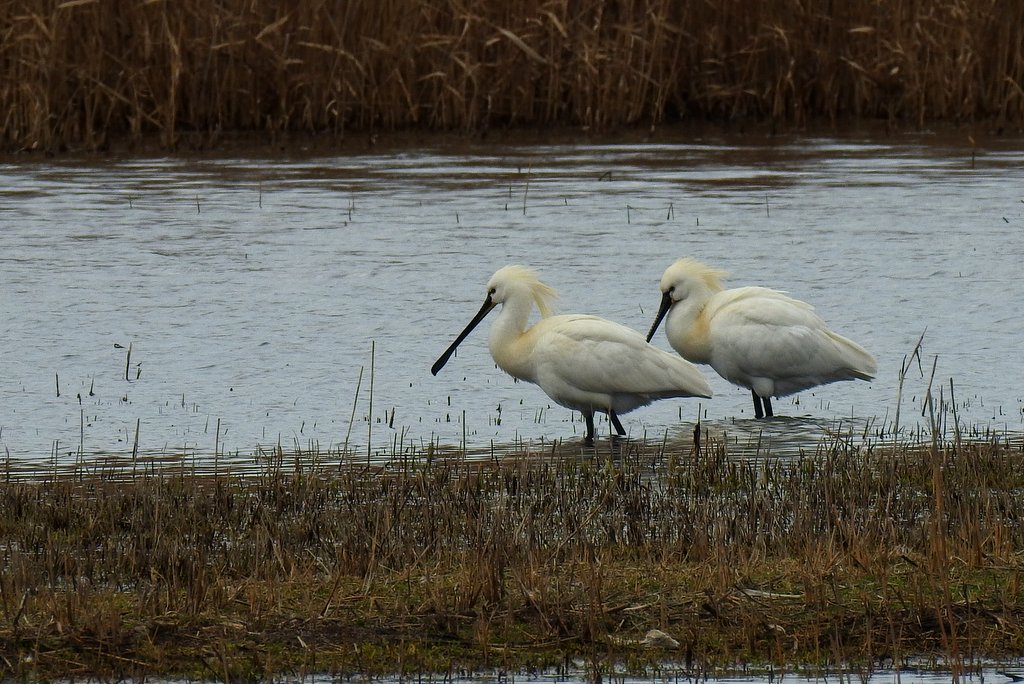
[[299, 303]]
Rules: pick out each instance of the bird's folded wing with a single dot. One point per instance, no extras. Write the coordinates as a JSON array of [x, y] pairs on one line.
[[598, 355]]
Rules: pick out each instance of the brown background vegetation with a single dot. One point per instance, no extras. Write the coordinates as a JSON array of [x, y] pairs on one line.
[[90, 73]]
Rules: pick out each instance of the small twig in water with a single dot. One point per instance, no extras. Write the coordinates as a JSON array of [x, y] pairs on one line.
[[526, 190], [135, 445], [369, 423]]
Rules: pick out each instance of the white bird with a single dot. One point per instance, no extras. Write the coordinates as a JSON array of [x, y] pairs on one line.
[[754, 337], [584, 363]]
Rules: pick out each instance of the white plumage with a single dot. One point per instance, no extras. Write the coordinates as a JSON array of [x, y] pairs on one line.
[[754, 337], [584, 363]]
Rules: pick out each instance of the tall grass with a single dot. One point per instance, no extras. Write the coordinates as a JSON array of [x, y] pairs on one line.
[[844, 556], [90, 73]]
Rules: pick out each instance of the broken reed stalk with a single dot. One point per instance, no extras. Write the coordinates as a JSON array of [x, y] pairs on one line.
[[351, 418], [904, 367], [956, 417], [93, 74], [135, 442], [928, 405]]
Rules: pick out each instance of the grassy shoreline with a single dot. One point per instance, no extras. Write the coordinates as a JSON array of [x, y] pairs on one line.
[[851, 555]]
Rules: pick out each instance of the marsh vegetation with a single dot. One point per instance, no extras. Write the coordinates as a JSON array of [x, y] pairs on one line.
[[850, 555], [91, 74]]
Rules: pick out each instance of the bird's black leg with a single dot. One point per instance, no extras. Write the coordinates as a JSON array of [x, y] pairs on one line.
[[588, 416], [767, 407], [615, 421], [758, 413]]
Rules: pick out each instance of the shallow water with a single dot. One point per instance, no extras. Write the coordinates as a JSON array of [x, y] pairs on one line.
[[264, 298], [585, 675], [906, 676]]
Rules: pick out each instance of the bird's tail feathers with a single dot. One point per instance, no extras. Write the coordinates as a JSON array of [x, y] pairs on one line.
[[861, 363]]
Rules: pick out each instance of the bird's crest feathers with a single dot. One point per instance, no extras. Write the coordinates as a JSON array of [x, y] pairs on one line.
[[543, 295], [711, 277]]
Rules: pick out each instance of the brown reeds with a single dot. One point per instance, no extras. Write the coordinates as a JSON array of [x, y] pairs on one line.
[[90, 74], [850, 556]]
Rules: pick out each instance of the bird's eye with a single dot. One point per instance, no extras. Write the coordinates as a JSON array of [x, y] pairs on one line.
[[492, 291]]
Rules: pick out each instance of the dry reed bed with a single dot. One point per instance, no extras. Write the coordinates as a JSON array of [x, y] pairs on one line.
[[849, 555], [89, 73]]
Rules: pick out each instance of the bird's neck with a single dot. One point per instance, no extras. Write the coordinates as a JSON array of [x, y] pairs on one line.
[[688, 330], [508, 336]]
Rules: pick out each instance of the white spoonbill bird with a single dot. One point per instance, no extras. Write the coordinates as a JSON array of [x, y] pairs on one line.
[[584, 363], [754, 337]]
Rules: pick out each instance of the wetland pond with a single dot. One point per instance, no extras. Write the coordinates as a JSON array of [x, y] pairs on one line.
[[300, 300]]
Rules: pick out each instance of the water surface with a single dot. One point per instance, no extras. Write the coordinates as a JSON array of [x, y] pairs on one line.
[[263, 299]]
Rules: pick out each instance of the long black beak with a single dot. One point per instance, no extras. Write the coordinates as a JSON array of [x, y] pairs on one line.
[[666, 304], [484, 310]]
